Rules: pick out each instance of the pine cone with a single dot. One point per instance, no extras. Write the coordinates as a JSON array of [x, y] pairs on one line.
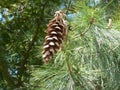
[[57, 29]]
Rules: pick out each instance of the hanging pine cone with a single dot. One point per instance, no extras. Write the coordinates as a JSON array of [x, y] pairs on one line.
[[56, 31]]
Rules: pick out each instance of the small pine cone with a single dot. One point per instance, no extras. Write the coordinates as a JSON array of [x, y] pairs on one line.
[[57, 29]]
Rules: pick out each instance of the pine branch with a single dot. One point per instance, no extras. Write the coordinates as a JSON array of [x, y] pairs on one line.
[[26, 55]]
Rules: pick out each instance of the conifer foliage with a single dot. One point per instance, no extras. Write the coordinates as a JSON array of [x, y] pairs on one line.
[[56, 31]]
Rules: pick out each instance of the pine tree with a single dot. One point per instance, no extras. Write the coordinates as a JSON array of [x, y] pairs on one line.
[[91, 57]]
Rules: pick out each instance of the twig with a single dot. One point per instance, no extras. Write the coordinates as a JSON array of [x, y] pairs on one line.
[[85, 31], [68, 6], [113, 49], [87, 28], [68, 66]]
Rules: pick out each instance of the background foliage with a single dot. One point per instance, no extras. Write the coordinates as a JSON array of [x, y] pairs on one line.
[[90, 61]]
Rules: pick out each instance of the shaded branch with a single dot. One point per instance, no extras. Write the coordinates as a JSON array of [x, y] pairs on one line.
[[7, 75], [26, 55]]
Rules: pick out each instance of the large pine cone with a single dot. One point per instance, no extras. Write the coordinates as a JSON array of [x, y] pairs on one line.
[[56, 31]]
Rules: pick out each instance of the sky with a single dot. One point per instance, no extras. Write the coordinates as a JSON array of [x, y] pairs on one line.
[[1, 18], [6, 13]]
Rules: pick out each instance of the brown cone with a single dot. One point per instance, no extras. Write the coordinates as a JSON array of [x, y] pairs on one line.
[[57, 29]]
